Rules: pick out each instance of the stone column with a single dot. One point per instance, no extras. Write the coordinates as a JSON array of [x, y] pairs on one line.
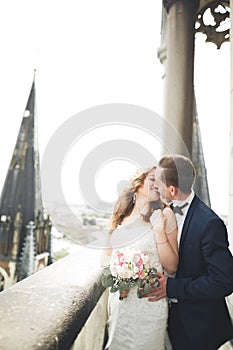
[[179, 69], [230, 217]]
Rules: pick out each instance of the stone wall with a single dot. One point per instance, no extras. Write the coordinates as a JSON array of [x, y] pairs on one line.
[[50, 308]]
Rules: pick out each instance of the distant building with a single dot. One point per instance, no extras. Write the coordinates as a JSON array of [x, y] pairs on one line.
[[25, 231]]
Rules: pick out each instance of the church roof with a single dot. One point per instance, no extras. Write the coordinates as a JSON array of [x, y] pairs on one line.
[[21, 192]]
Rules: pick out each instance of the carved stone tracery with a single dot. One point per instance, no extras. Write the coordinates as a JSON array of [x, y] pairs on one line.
[[218, 12]]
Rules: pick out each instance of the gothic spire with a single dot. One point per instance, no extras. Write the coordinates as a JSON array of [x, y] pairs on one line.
[[21, 193]]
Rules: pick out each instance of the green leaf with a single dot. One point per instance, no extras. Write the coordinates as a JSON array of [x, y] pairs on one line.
[[153, 270], [114, 289], [156, 283], [141, 282], [132, 283], [139, 293], [106, 271], [125, 285], [107, 281], [147, 288]]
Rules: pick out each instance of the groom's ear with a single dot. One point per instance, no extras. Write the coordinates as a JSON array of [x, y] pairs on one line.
[[173, 190]]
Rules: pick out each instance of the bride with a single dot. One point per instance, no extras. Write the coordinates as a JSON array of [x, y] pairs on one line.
[[141, 220]]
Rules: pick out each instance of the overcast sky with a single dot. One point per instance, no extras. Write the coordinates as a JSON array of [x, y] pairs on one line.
[[89, 53]]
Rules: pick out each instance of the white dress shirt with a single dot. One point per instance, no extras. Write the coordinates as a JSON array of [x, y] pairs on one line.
[[180, 223], [181, 218]]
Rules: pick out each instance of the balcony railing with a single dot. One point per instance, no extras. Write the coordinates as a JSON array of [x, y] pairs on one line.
[[62, 307], [49, 309]]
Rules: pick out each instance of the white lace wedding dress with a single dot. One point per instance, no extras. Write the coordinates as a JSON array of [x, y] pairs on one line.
[[134, 323]]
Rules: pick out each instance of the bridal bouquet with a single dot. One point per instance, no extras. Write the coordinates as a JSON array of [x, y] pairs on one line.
[[129, 267]]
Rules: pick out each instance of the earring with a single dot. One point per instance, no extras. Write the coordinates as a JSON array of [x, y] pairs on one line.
[[134, 197]]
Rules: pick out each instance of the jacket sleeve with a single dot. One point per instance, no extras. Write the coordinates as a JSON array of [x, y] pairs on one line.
[[217, 281]]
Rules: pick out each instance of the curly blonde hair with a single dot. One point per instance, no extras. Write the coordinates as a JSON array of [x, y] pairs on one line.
[[126, 201]]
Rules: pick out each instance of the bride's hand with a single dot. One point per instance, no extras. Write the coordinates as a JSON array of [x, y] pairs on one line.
[[123, 294], [159, 292]]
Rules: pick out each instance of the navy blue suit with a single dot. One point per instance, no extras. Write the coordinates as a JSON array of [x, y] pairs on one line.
[[200, 320]]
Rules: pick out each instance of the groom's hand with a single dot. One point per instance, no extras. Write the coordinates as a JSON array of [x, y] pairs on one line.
[[158, 293]]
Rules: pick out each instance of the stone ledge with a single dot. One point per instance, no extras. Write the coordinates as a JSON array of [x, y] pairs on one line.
[[48, 309]]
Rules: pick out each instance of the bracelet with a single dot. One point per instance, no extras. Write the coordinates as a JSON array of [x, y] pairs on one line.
[[162, 242]]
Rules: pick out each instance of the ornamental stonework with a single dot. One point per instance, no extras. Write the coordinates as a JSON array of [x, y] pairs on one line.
[[213, 20]]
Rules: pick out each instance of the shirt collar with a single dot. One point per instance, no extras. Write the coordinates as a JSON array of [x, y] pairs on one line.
[[187, 200]]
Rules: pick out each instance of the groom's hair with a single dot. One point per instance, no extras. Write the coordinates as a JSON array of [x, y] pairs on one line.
[[178, 171]]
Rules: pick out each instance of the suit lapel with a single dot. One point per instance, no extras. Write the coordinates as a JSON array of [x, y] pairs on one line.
[[187, 220]]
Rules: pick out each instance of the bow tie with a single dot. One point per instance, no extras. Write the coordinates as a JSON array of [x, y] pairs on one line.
[[178, 209]]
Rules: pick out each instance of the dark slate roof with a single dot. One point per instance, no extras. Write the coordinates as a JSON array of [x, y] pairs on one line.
[[21, 190]]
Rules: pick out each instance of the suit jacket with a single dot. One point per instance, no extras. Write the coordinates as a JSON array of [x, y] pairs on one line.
[[204, 278]]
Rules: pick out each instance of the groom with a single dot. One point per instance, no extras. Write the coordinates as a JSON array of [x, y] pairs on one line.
[[198, 315]]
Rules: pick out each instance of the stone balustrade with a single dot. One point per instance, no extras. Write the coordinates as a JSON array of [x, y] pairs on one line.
[[49, 309], [61, 307]]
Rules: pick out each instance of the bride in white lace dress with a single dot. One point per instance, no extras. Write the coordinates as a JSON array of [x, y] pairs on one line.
[[140, 220]]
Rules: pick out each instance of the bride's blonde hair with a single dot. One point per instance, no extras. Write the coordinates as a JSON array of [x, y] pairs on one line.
[[126, 201]]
